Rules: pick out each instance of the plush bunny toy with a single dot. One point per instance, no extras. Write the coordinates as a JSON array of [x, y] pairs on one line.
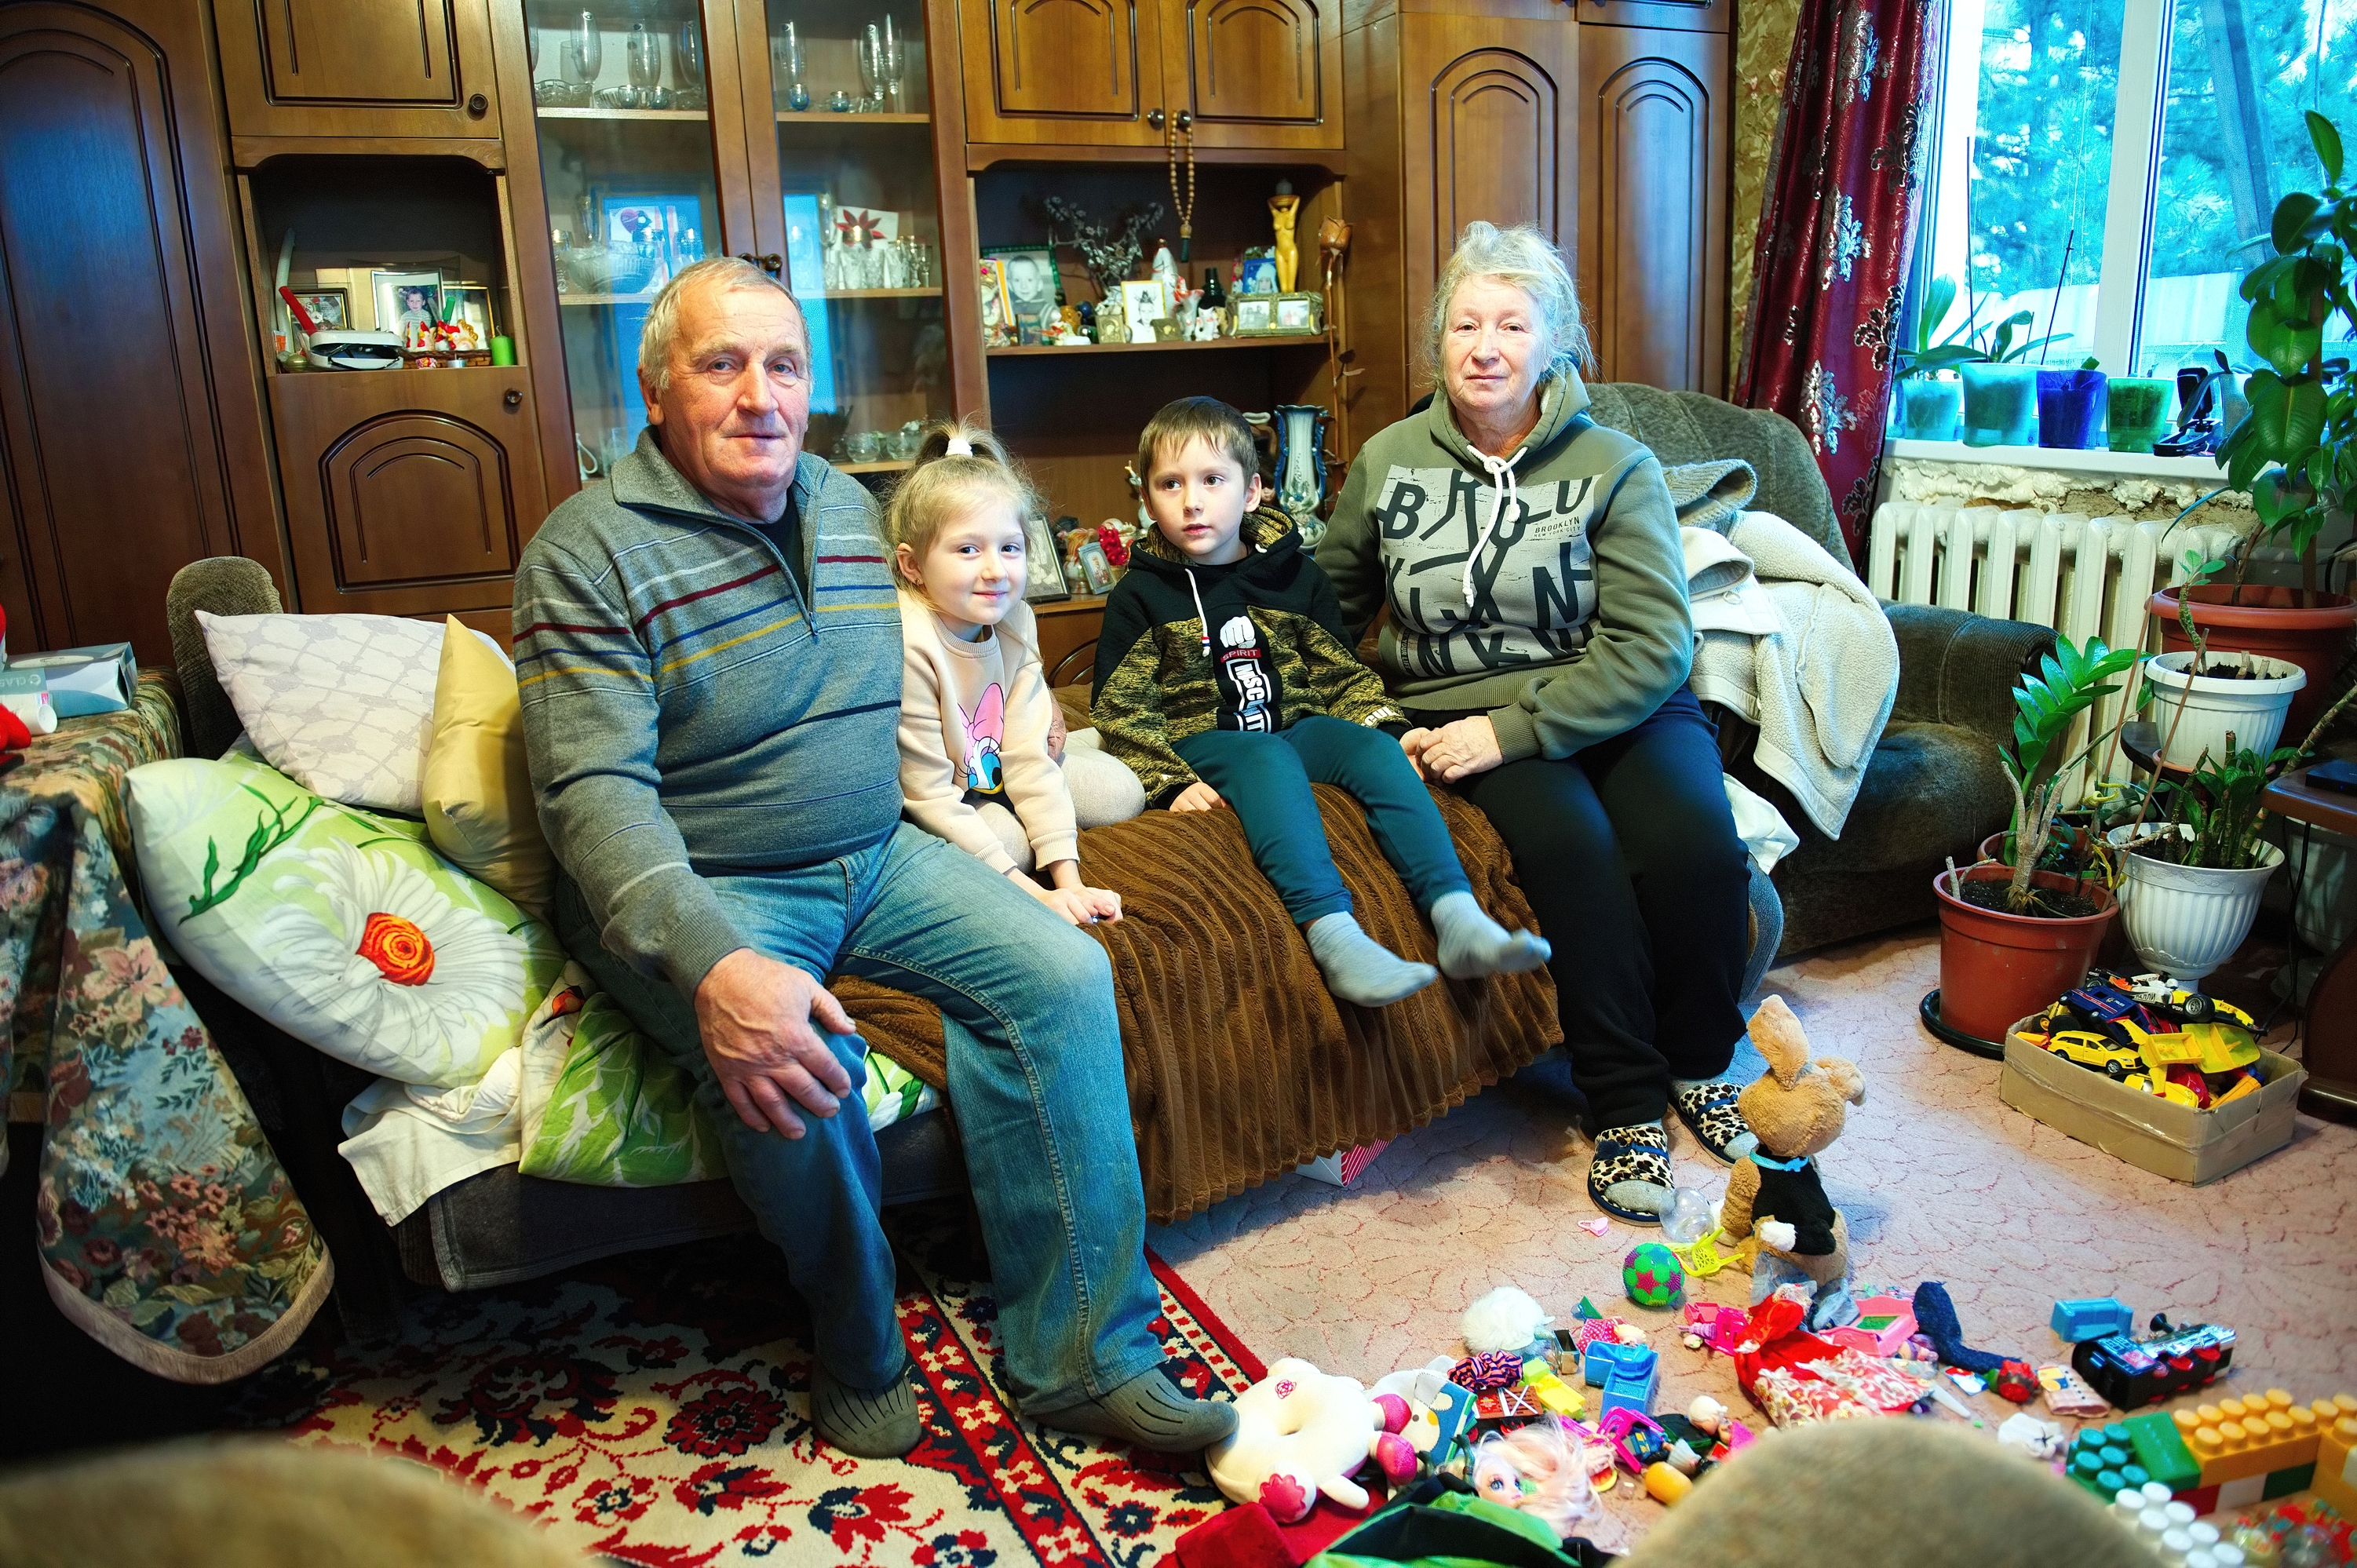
[[1795, 1109]]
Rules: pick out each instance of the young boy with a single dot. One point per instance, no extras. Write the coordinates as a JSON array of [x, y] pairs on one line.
[[1222, 679]]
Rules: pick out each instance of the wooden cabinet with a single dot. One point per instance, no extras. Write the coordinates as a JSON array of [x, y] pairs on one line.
[[1112, 73], [358, 68], [1656, 165], [130, 438], [1680, 16], [408, 492]]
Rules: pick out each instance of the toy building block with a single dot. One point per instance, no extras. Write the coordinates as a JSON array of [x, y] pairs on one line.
[[1606, 1359], [2132, 1373], [2161, 1451], [2103, 1460], [1555, 1396], [2247, 1438], [2335, 1478], [2090, 1317]]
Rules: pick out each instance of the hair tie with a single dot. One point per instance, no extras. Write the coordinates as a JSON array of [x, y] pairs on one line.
[[959, 446]]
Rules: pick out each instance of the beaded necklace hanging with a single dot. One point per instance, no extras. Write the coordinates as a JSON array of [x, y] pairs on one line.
[[1182, 122]]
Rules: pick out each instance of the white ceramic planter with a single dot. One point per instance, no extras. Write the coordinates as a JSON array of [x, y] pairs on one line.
[[2253, 711], [2186, 920]]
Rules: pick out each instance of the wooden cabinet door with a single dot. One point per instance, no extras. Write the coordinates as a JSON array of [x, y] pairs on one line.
[[359, 68], [1076, 71], [1500, 139], [408, 492], [1656, 162], [1258, 73], [130, 438], [1680, 16]]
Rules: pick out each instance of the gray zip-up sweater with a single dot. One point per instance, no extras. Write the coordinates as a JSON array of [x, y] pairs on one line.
[[686, 713]]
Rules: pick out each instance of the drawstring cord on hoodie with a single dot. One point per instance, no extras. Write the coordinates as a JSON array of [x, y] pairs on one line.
[[1199, 615], [1505, 494]]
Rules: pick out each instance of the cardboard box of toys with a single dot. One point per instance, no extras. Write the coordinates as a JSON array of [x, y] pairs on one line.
[[2176, 1140]]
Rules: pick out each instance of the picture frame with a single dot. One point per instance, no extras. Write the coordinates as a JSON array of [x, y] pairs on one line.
[[1030, 272], [641, 232], [1043, 564], [999, 329], [1301, 313], [1256, 316], [330, 307], [1141, 307], [474, 310], [1096, 569], [406, 300], [1257, 274]]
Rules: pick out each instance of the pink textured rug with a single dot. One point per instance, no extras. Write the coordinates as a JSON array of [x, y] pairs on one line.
[[1940, 1180]]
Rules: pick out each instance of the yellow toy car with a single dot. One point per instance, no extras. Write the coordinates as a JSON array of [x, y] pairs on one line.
[[2111, 1059]]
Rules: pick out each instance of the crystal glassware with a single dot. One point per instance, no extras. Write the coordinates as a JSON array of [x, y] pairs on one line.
[[891, 57], [787, 60], [642, 51], [841, 103], [871, 66], [584, 55], [687, 56]]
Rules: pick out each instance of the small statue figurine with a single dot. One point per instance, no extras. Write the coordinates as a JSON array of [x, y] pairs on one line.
[[1283, 209], [1207, 325], [1166, 273], [1066, 332]]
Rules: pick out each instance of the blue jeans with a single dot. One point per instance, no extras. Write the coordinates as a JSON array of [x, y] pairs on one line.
[[1035, 1079], [1265, 780]]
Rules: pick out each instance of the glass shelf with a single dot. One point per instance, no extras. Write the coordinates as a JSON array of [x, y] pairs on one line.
[[691, 116], [1276, 340], [855, 117], [830, 296]]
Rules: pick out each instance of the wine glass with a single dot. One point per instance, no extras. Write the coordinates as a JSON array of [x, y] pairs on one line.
[[642, 52], [531, 49], [585, 53], [687, 56], [890, 56], [871, 66], [785, 56]]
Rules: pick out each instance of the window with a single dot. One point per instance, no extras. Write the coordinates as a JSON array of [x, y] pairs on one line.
[[2100, 161]]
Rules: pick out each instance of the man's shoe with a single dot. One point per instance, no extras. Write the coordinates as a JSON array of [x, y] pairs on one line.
[[879, 1425], [1149, 1411]]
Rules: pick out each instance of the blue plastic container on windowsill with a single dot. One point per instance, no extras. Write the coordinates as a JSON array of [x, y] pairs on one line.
[[2071, 409]]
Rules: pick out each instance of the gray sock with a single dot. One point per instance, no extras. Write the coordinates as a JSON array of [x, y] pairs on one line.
[[1359, 969], [879, 1425], [1473, 944], [1147, 1410]]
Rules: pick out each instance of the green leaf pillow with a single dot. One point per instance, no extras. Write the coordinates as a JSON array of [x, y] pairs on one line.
[[341, 927]]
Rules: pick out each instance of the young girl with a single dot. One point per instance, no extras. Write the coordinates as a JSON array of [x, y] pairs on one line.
[[974, 707]]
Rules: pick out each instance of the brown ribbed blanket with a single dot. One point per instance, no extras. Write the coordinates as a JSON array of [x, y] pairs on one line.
[[1241, 1066]]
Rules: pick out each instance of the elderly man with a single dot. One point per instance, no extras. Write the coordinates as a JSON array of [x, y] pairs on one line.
[[708, 647]]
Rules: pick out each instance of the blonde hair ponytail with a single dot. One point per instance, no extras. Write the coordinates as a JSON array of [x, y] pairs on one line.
[[943, 483]]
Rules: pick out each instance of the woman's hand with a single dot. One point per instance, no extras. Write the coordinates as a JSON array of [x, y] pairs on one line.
[[1198, 797], [1460, 750]]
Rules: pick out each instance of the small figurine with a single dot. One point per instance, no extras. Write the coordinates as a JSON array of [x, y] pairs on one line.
[[1207, 325], [1283, 209], [1066, 331], [1166, 273]]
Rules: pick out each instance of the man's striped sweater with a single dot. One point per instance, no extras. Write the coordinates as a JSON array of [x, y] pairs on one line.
[[688, 715]]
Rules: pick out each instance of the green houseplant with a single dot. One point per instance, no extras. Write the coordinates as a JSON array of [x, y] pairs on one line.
[[2296, 450], [2013, 938], [1996, 385]]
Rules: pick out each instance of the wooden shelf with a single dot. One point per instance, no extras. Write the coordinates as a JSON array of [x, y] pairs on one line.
[[682, 115], [1285, 341], [849, 117], [605, 299], [836, 293], [882, 466]]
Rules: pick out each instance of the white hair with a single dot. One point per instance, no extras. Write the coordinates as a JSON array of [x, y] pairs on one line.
[[1523, 258], [660, 333]]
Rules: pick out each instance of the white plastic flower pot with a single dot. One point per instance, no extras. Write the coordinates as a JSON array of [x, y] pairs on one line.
[[2186, 920], [2252, 711]]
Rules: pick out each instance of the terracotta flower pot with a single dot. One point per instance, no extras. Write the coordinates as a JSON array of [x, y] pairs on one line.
[[2114, 951], [2269, 620], [1996, 967]]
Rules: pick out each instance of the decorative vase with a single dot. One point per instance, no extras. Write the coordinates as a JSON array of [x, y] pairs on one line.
[[1996, 967], [2000, 406], [2270, 619], [1928, 408], [2198, 714], [2071, 407], [1301, 468], [2186, 920], [2138, 411]]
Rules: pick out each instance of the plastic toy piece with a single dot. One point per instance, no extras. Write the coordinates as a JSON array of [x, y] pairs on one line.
[[2017, 1384], [2092, 1317], [1452, 1411], [2162, 1451], [2133, 1373], [1664, 1485], [1608, 1360], [2335, 1478], [2103, 1460], [1633, 1390], [2067, 1393], [2256, 1435]]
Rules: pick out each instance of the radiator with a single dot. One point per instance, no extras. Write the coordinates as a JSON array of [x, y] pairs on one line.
[[2081, 576]]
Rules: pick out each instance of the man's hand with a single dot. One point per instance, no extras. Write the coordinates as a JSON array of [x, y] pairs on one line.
[[1461, 750], [755, 1014], [1198, 797]]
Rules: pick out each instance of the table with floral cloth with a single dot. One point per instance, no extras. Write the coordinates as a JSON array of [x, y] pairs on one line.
[[168, 1232]]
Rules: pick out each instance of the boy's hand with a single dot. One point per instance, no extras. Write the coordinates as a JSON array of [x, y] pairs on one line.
[[1081, 906], [1198, 797]]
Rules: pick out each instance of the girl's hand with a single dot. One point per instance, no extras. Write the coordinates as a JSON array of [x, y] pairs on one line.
[[1414, 742], [1081, 906], [1461, 750], [1056, 732], [1198, 797]]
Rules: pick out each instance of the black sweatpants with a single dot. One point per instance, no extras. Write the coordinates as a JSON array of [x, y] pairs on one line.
[[1628, 853]]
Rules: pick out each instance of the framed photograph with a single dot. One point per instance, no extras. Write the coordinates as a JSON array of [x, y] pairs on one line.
[[1257, 274], [1257, 317], [1141, 307], [474, 307], [330, 307], [1094, 568], [1030, 275], [1043, 566], [1304, 312], [997, 310], [406, 302]]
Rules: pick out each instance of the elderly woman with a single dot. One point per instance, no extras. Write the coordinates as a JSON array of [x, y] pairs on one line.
[[1539, 635]]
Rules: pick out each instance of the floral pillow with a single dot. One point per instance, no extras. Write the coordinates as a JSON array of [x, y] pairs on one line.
[[342, 928]]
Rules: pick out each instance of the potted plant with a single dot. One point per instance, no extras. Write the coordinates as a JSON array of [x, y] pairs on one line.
[[2296, 449], [2191, 885], [2137, 411], [2208, 699], [1928, 402], [2012, 939], [1999, 394], [2072, 405]]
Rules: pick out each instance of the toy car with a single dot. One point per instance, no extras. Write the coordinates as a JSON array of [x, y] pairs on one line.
[[2181, 1005], [2093, 1051]]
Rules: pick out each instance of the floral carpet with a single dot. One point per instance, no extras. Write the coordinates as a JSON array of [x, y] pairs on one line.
[[654, 1408]]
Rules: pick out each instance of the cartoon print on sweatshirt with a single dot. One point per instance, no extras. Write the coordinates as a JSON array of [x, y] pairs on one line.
[[1250, 688], [986, 732], [1530, 596]]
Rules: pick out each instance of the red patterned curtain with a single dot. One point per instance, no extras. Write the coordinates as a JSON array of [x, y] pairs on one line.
[[1836, 231]]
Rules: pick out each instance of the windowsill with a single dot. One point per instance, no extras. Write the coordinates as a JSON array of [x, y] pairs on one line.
[[2143, 465]]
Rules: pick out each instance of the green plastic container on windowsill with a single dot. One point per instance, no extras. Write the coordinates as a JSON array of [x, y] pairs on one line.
[[2000, 405], [2138, 407]]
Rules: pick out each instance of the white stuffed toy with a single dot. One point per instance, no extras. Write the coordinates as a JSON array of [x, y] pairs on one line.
[[1300, 1432]]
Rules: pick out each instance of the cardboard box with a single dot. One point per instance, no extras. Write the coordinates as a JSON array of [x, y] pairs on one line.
[[2174, 1141]]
